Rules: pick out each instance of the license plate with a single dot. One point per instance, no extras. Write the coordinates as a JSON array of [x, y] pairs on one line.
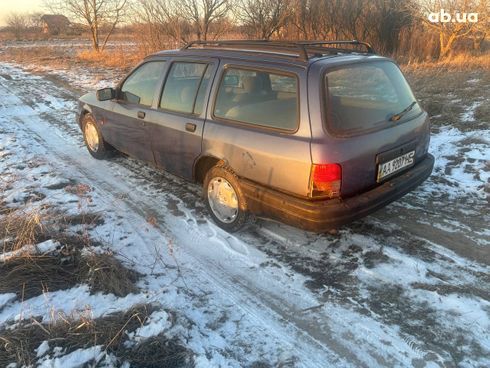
[[390, 167]]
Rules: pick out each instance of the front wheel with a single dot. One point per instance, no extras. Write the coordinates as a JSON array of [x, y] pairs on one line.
[[93, 139], [224, 199]]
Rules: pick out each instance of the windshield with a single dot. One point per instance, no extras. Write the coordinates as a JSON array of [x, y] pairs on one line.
[[364, 96]]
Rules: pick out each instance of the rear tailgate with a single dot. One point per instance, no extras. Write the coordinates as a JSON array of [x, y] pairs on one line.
[[361, 129], [361, 156]]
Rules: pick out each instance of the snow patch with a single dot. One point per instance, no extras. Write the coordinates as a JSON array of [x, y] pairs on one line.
[[77, 358], [42, 349]]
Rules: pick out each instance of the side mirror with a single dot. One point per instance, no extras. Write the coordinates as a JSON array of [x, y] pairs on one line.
[[106, 94]]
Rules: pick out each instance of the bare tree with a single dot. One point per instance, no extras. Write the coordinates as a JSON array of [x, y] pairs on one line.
[[94, 13], [18, 24], [162, 22], [35, 20], [205, 15], [334, 19], [263, 18], [442, 16], [387, 21], [482, 27]]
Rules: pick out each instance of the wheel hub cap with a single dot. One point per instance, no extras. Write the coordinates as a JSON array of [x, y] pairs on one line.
[[91, 136], [223, 200]]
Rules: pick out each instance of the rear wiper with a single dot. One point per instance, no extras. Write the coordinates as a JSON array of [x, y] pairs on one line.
[[398, 116]]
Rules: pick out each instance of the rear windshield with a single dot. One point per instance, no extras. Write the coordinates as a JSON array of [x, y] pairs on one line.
[[367, 96]]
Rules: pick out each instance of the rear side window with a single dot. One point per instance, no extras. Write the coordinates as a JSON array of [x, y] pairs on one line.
[[140, 86], [183, 83], [364, 96], [258, 98]]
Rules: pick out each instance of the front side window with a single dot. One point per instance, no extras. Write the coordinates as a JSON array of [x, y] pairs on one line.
[[366, 95], [182, 86], [258, 98], [140, 86]]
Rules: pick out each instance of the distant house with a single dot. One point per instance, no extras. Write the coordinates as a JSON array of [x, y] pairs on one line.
[[54, 24]]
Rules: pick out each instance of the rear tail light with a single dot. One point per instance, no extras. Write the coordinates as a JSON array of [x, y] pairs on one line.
[[325, 180]]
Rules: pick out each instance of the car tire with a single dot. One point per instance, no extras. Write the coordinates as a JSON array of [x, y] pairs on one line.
[[224, 198], [93, 139]]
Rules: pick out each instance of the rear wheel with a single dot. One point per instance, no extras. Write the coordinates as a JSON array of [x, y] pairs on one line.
[[93, 139], [224, 199]]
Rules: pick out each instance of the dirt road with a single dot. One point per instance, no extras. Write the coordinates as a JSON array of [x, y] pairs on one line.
[[407, 286]]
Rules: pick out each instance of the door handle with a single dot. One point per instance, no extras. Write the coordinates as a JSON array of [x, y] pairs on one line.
[[141, 114], [190, 127]]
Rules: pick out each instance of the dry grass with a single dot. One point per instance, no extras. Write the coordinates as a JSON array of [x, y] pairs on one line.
[[31, 275], [448, 94], [19, 228], [159, 352], [42, 55], [460, 62], [89, 219], [125, 57], [116, 58], [28, 275], [64, 57], [105, 273], [19, 344]]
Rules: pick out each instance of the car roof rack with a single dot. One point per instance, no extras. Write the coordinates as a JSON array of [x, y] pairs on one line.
[[299, 49]]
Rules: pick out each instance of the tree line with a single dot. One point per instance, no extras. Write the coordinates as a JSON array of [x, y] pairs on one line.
[[394, 27]]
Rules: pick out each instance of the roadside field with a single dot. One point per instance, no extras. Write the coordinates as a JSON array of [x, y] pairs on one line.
[[406, 286]]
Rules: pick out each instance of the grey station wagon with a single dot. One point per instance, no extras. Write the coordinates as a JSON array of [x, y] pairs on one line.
[[314, 134]]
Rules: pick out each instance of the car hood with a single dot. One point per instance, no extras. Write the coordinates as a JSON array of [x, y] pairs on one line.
[[89, 98]]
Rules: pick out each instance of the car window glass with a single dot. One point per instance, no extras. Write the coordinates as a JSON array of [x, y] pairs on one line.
[[140, 86], [259, 98], [202, 91], [180, 90], [368, 83], [362, 96]]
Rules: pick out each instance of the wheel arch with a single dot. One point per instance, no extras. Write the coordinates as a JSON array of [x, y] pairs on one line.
[[203, 165], [84, 110]]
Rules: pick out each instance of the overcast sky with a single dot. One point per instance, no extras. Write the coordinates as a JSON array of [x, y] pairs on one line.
[[20, 6]]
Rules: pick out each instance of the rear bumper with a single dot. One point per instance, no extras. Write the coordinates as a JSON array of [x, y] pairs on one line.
[[323, 215]]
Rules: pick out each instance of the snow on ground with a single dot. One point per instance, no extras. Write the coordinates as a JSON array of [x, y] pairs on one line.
[[399, 288], [37, 249], [82, 78], [469, 176]]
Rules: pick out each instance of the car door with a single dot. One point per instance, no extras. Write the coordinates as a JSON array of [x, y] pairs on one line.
[[258, 122], [126, 126], [176, 133]]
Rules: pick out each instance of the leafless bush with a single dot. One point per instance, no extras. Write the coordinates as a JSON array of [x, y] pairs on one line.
[[264, 18], [160, 25], [163, 24], [205, 16], [394, 27], [18, 24], [95, 14]]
